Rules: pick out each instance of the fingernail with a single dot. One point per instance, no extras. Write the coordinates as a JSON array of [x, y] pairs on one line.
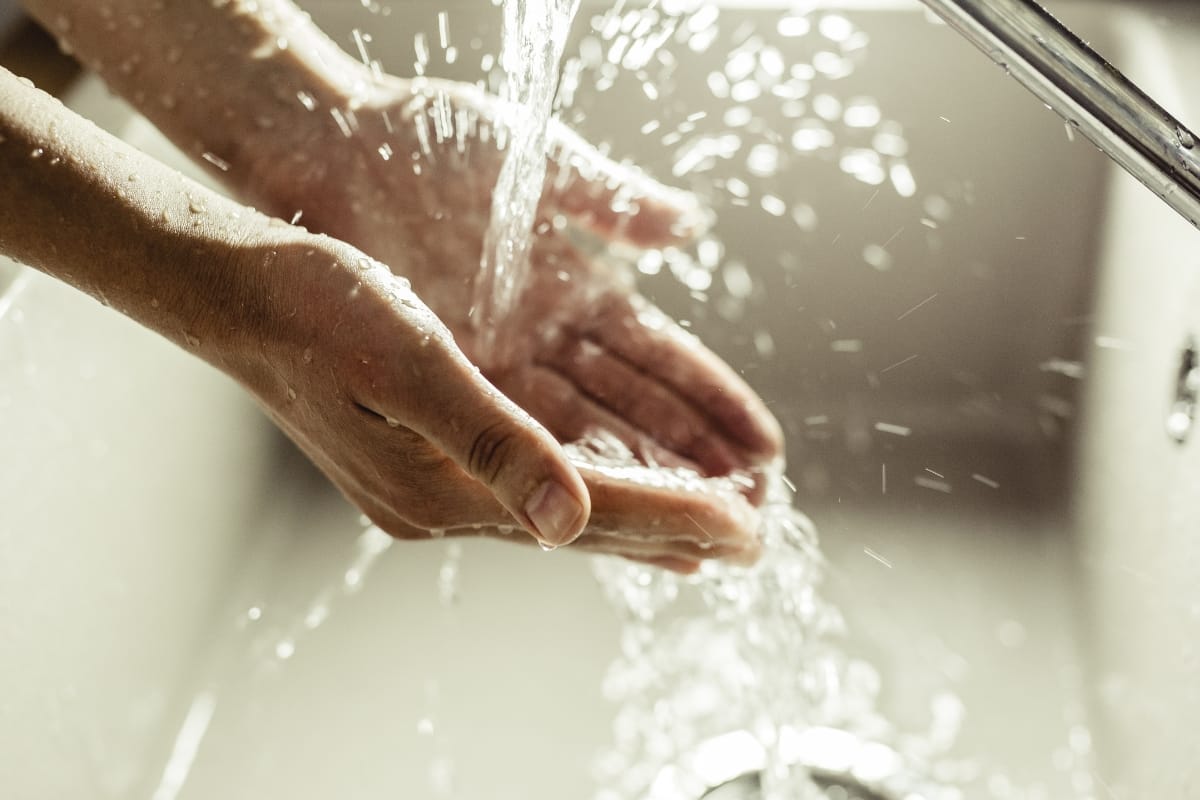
[[554, 512]]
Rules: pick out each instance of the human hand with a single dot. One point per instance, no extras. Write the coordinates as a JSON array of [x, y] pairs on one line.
[[412, 185], [331, 349], [370, 384]]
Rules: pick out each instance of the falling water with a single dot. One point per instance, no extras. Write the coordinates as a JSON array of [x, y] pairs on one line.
[[742, 649], [729, 649], [535, 32]]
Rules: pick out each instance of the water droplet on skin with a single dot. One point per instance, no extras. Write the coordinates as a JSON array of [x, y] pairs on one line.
[[196, 205], [192, 341], [291, 393], [437, 533], [308, 355], [216, 161], [1186, 140], [392, 423], [547, 548], [37, 152]]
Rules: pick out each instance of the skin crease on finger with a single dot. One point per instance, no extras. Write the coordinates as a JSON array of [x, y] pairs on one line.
[[297, 319]]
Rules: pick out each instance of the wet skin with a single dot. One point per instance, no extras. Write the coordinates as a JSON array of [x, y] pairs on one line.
[[386, 387]]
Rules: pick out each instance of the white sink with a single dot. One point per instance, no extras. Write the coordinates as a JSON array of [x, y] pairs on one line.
[[161, 546]]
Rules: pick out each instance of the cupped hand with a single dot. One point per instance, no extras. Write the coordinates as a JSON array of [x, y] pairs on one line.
[[412, 185], [371, 385]]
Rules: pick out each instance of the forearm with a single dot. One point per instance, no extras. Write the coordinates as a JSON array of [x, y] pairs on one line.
[[228, 82], [84, 207]]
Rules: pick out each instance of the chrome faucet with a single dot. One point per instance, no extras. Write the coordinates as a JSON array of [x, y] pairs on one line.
[[1092, 95]]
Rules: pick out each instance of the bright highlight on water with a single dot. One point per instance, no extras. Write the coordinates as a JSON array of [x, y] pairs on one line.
[[535, 34]]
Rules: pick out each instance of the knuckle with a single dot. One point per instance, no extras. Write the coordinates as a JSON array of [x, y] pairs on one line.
[[490, 451]]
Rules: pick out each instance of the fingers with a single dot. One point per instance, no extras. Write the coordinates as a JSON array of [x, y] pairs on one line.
[[398, 479], [670, 512], [649, 405], [573, 416], [617, 201], [650, 341], [507, 452], [662, 516], [437, 393]]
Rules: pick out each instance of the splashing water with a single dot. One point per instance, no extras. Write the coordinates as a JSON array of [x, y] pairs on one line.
[[731, 649], [534, 36]]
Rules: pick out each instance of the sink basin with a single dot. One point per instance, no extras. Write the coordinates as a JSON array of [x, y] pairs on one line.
[[973, 364]]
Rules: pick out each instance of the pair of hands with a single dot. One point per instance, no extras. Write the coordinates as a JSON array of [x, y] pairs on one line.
[[377, 381]]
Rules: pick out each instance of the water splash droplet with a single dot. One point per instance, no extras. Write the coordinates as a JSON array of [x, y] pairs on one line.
[[215, 160]]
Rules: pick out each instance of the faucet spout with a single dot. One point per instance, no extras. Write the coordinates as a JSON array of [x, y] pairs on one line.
[[1091, 94]]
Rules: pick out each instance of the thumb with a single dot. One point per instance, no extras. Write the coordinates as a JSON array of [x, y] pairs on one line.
[[501, 446]]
